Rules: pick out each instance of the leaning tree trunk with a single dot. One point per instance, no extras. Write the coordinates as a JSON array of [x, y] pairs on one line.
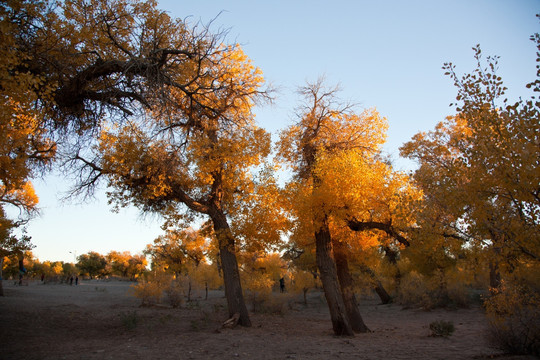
[[379, 288], [327, 268], [229, 266], [347, 288]]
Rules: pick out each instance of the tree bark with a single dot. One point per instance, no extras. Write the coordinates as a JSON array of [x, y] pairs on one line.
[[332, 292], [392, 256], [377, 285], [381, 291], [494, 271], [1, 274], [494, 274], [229, 265], [356, 225], [347, 288]]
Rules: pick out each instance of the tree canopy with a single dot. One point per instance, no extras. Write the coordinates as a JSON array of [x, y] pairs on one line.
[[479, 169]]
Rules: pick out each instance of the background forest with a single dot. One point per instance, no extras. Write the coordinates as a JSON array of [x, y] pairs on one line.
[[161, 112]]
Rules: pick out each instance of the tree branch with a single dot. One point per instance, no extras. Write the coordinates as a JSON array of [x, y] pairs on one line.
[[356, 225]]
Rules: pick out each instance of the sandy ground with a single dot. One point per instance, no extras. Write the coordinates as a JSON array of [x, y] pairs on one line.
[[101, 320]]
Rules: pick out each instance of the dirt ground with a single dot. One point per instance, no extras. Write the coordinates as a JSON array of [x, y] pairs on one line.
[[101, 320]]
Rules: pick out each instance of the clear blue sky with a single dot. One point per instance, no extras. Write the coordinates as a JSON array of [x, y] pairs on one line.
[[385, 54]]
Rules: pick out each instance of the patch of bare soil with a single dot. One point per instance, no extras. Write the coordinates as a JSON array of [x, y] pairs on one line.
[[101, 320]]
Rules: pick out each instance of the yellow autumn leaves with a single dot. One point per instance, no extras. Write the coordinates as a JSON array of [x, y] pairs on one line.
[[346, 178]]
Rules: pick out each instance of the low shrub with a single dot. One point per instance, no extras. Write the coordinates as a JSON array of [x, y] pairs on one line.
[[417, 290], [258, 289], [514, 315], [129, 320], [201, 323], [150, 290], [277, 304], [441, 328], [175, 294], [413, 291]]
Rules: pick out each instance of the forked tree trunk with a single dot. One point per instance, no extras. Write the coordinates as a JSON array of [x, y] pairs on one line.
[[229, 265], [347, 288], [329, 279]]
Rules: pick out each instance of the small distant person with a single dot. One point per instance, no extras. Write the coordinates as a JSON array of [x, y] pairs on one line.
[[42, 277], [282, 285], [77, 280], [71, 280], [22, 271]]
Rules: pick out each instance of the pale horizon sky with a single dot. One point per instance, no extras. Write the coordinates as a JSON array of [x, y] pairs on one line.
[[384, 54]]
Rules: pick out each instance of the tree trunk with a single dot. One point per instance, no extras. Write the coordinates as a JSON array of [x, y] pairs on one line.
[[21, 269], [347, 288], [381, 291], [328, 273], [494, 275], [1, 274], [391, 255], [379, 288], [229, 264], [494, 271]]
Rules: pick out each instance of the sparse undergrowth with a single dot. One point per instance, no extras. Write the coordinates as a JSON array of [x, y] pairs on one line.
[[417, 290], [514, 315], [441, 328], [129, 319]]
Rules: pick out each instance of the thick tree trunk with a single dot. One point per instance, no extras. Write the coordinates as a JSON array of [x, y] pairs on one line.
[[332, 291], [1, 274], [347, 288], [229, 264]]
